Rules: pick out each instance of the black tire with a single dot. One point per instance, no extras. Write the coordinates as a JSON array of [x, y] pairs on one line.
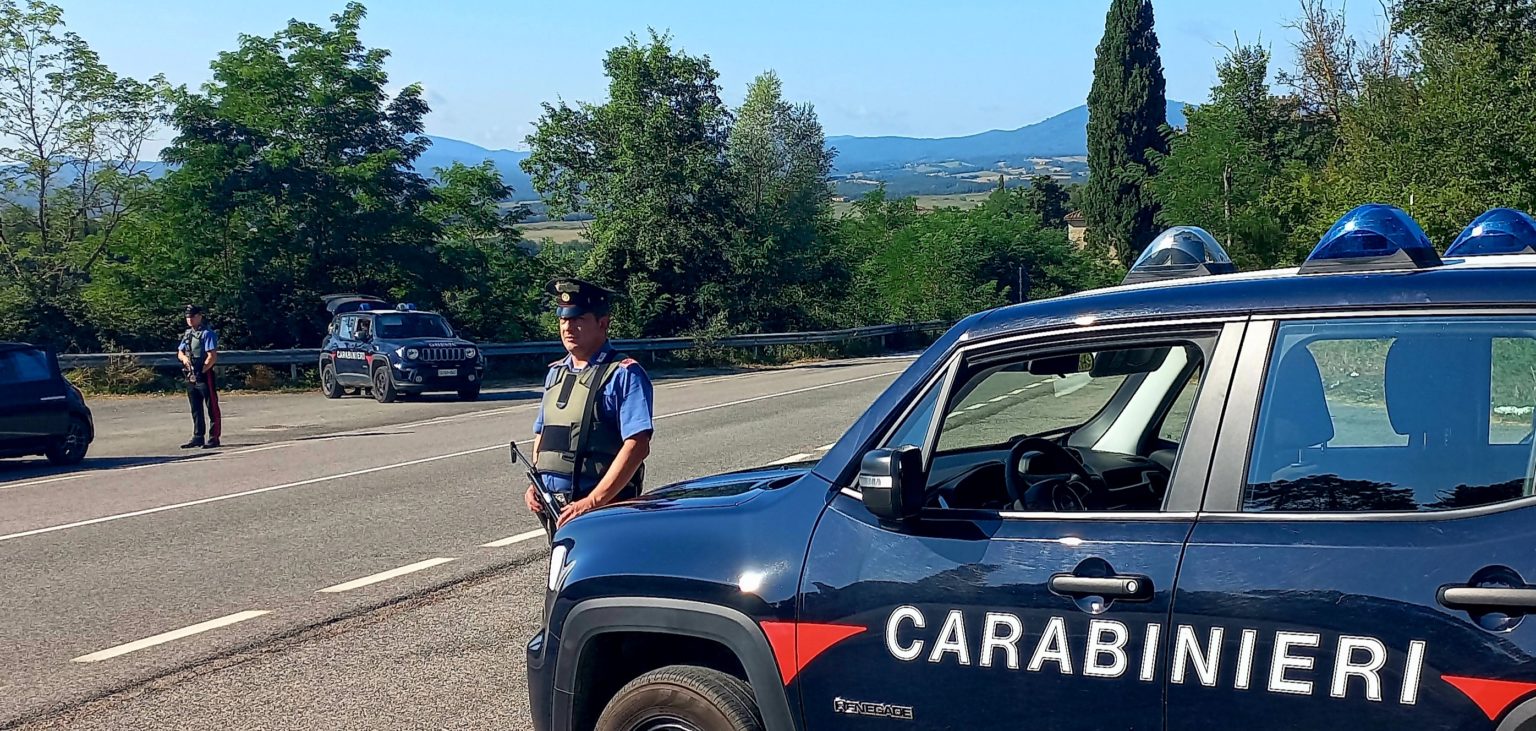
[[71, 448], [469, 393], [328, 384], [384, 385], [683, 697]]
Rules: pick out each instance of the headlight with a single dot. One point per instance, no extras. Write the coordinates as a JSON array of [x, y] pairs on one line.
[[412, 354], [556, 565], [470, 352]]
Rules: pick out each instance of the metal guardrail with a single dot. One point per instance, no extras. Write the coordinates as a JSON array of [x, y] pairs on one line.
[[492, 350]]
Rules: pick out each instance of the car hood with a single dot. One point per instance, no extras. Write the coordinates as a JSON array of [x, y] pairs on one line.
[[720, 490]]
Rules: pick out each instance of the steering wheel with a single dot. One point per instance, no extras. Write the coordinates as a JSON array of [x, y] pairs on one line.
[[1043, 475]]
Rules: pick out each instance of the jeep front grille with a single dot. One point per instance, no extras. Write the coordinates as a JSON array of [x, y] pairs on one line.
[[442, 354]]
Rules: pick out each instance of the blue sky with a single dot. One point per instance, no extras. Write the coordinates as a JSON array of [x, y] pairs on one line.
[[892, 67]]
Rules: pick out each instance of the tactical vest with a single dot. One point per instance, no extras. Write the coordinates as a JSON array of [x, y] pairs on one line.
[[193, 340], [576, 442]]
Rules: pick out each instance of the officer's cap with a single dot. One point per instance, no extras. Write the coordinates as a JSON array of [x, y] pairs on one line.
[[194, 310], [574, 298]]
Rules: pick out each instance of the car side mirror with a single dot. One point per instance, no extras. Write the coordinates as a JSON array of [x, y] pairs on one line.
[[892, 483]]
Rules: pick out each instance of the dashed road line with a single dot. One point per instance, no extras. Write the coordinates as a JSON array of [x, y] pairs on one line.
[[826, 447], [519, 538], [165, 637], [974, 407], [999, 398], [385, 575], [1036, 384]]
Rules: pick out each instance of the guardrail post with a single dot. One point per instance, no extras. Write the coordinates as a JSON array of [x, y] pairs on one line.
[[293, 371]]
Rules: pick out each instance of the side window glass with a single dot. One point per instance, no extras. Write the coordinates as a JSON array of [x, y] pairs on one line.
[[1064, 431], [914, 429], [25, 366], [1395, 414], [1176, 421], [344, 330]]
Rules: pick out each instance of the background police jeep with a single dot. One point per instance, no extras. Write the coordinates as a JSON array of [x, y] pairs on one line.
[[1202, 500], [394, 350]]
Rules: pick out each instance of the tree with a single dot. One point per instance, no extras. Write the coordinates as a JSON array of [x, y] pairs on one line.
[[650, 165], [72, 133], [488, 285], [1047, 200], [780, 169], [294, 179], [1127, 110]]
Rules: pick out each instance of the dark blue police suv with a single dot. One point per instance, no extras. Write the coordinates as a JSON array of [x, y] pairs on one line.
[[390, 351], [1204, 499]]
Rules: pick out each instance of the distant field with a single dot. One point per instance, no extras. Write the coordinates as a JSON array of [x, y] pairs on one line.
[[561, 232], [928, 202]]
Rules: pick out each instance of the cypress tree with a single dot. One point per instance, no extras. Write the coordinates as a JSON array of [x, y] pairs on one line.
[[1127, 108]]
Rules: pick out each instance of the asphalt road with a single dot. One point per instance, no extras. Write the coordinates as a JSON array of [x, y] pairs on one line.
[[338, 564]]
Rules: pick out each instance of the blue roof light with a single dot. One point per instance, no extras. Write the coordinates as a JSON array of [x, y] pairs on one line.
[[1181, 251], [1497, 231], [1372, 236]]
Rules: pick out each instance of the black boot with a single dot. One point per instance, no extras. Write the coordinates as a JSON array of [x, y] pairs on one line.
[[212, 444], [195, 443]]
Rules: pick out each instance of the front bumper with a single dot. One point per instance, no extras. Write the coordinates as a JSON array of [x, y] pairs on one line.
[[541, 680], [428, 376]]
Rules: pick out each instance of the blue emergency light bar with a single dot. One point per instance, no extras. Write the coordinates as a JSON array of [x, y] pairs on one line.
[[405, 307], [1497, 231], [1373, 236], [1181, 251]]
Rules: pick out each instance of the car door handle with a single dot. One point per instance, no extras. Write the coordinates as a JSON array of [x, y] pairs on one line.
[[1490, 597], [1117, 587]]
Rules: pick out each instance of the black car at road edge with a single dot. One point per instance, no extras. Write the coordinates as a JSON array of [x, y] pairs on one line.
[[390, 351], [41, 413]]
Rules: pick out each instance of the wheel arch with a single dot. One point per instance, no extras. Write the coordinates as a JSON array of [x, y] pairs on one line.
[[729, 627]]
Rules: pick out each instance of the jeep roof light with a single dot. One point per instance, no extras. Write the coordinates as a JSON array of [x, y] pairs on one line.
[[1373, 236], [1497, 231], [1181, 251]]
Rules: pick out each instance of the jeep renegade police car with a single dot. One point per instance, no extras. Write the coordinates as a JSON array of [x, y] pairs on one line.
[[390, 351], [1297, 499]]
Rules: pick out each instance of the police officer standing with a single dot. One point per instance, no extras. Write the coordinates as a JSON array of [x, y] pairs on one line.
[[593, 430], [198, 351]]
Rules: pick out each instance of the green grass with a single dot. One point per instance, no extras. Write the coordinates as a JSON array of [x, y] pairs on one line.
[[561, 232]]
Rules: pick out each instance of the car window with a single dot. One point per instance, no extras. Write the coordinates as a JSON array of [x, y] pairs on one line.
[[1102, 404], [25, 366], [413, 326], [1176, 421], [1394, 414]]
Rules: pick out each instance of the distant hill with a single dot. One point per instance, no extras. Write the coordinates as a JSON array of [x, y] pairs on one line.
[[445, 151], [1064, 135]]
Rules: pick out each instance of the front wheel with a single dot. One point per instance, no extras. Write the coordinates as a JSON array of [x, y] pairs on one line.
[[328, 384], [70, 449], [684, 697], [384, 386], [469, 393]]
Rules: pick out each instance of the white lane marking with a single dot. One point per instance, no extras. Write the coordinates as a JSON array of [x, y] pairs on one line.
[[464, 416], [257, 491], [385, 575], [826, 447], [1016, 392], [519, 538], [793, 458], [999, 398], [48, 480], [165, 637], [708, 381], [381, 468], [1037, 384], [974, 407], [267, 448]]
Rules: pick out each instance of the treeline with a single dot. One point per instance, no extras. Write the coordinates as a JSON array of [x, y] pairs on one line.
[[1436, 114], [291, 177]]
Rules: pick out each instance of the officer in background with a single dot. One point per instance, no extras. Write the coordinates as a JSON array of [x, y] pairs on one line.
[[593, 430], [198, 351]]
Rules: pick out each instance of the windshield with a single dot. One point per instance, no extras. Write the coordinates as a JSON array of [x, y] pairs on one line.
[[416, 325]]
